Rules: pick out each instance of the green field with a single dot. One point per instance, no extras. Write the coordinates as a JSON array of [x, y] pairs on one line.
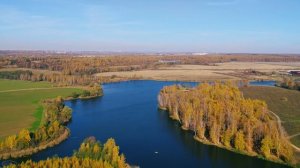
[[22, 109], [285, 103], [17, 84]]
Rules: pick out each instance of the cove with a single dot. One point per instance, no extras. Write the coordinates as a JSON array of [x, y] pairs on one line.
[[128, 112]]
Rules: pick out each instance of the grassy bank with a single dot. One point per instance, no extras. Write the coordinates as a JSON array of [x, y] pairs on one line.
[[21, 108], [38, 118]]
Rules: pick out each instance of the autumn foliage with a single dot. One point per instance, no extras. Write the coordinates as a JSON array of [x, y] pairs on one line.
[[88, 64], [56, 78], [219, 114], [90, 154]]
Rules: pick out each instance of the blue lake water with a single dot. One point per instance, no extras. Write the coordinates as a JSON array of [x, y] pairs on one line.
[[128, 112], [263, 83]]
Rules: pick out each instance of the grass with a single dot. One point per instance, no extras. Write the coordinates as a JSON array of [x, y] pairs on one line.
[[17, 84], [22, 109], [296, 140], [262, 66], [168, 74], [219, 71], [38, 115], [285, 103]]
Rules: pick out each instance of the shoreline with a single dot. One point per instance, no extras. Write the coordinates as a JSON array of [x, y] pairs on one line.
[[81, 98], [30, 151], [205, 142]]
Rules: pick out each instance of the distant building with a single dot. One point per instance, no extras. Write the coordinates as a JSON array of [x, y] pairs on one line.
[[284, 73], [169, 61], [294, 72], [200, 54]]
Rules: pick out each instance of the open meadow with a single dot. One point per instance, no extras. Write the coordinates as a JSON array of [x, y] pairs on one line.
[[10, 85], [20, 104]]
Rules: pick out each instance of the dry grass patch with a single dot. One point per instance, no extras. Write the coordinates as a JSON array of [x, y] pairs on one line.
[[219, 71], [262, 66], [184, 75]]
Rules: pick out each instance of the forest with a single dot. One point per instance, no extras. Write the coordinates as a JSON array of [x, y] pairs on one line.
[[57, 79], [91, 153], [218, 114], [51, 132]]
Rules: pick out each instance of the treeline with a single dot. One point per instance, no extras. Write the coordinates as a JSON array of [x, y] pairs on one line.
[[91, 64], [92, 88], [51, 132], [289, 83], [219, 114], [55, 78], [90, 154]]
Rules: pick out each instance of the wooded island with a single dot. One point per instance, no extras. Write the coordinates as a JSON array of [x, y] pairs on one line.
[[220, 115]]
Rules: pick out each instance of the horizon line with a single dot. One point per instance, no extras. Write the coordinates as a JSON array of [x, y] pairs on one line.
[[139, 52]]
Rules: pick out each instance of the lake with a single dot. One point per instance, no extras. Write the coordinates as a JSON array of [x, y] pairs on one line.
[[147, 136]]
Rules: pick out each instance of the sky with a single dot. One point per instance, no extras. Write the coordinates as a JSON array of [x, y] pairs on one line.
[[227, 26]]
